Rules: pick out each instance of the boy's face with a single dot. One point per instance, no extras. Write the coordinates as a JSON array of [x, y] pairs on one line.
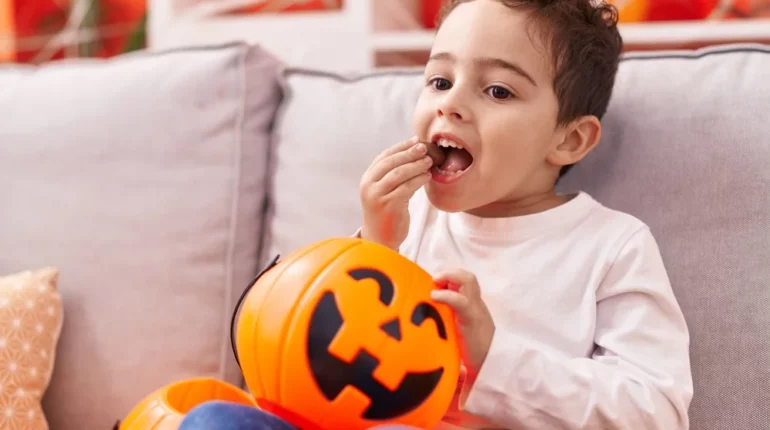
[[488, 87]]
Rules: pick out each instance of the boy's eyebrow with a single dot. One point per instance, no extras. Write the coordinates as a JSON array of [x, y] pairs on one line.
[[487, 62]]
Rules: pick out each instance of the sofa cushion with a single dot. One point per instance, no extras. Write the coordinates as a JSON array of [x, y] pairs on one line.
[[142, 179], [329, 129], [684, 148]]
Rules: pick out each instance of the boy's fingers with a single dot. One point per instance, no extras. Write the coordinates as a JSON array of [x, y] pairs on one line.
[[369, 175], [399, 147], [456, 276], [408, 188], [453, 299], [458, 279], [397, 176], [383, 168]]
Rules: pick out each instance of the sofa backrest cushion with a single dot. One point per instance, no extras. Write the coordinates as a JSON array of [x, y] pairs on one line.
[[142, 179]]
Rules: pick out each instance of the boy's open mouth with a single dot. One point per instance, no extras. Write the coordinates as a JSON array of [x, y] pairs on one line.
[[449, 158]]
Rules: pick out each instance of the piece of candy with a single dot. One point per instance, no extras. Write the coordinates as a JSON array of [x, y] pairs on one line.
[[437, 154]]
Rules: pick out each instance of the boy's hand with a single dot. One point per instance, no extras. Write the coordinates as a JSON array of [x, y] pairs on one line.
[[386, 187], [460, 291]]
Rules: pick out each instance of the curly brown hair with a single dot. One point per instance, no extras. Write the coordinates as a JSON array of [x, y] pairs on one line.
[[585, 45]]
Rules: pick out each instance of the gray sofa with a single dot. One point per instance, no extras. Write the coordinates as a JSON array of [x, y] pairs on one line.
[[158, 183]]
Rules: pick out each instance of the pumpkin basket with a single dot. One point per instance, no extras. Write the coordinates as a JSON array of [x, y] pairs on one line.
[[165, 408]]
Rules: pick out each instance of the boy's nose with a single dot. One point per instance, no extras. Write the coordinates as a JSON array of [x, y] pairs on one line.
[[441, 111], [450, 107]]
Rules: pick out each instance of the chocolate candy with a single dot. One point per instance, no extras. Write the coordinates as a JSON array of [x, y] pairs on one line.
[[436, 153]]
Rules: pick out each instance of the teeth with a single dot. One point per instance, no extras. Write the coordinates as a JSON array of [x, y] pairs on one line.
[[447, 173], [446, 143]]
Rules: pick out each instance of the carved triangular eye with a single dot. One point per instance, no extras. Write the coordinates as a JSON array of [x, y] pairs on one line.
[[392, 328]]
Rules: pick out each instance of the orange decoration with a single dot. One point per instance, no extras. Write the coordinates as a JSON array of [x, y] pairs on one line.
[[165, 408], [343, 335], [665, 10], [631, 10], [7, 52]]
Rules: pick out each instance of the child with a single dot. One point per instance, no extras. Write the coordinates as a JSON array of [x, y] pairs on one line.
[[566, 314], [564, 306]]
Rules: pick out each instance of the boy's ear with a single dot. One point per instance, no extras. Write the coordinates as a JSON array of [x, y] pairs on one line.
[[579, 138]]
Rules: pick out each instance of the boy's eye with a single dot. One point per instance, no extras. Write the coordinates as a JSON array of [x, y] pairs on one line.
[[441, 84], [499, 93]]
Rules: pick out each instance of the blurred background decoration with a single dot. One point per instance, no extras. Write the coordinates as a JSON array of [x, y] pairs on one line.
[[35, 31], [285, 6], [344, 33], [259, 6], [686, 10]]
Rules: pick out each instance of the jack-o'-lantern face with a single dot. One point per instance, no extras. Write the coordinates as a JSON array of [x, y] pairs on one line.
[[343, 334], [348, 323]]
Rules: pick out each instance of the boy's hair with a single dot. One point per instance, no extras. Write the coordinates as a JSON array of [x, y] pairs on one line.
[[585, 45]]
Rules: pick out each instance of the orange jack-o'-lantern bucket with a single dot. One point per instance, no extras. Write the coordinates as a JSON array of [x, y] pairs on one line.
[[342, 334], [165, 408]]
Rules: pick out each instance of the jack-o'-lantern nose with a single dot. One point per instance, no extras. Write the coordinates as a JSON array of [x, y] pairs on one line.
[[392, 328]]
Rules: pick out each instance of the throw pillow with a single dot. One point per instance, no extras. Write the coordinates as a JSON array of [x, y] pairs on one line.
[[30, 322]]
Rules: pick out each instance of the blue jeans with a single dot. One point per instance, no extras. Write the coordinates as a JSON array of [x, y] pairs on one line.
[[219, 415]]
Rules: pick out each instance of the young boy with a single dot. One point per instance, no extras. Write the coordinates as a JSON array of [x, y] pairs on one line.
[[566, 314], [564, 306]]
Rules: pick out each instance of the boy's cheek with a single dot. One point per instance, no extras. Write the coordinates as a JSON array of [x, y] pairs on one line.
[[422, 118]]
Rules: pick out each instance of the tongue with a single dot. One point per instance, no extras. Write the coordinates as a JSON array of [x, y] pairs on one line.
[[456, 160]]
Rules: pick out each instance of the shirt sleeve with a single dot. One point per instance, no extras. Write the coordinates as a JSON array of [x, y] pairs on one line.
[[638, 376]]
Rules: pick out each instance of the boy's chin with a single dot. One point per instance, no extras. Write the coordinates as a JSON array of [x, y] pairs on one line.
[[445, 202]]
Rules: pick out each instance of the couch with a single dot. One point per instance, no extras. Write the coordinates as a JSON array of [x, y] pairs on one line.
[[158, 183]]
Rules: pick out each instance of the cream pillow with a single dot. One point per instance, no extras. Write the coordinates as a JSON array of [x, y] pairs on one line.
[[30, 322]]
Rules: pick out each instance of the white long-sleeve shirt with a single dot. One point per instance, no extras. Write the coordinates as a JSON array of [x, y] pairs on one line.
[[588, 332]]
